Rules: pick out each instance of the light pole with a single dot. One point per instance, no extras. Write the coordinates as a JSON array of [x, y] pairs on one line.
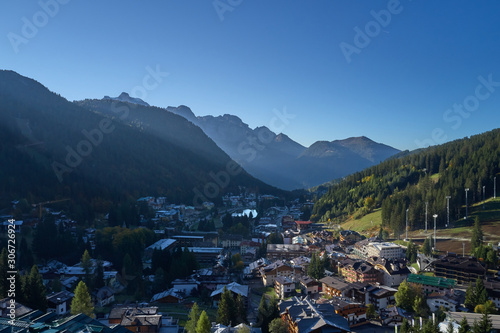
[[426, 204], [484, 197], [406, 239], [448, 211], [466, 190], [463, 249], [494, 187], [435, 217]]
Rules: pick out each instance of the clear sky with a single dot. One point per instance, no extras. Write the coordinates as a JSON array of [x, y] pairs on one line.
[[389, 70]]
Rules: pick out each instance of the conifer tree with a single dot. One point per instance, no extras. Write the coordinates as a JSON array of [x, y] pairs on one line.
[[82, 302], [464, 326], [35, 292], [225, 313], [203, 325], [3, 273], [192, 322], [477, 235], [241, 310]]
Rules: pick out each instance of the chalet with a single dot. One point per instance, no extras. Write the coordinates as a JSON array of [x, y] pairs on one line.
[[493, 290], [393, 316], [284, 251], [186, 286], [437, 299], [334, 286], [168, 296], [380, 296], [278, 268], [103, 296], [349, 236], [19, 309], [60, 302], [358, 271], [136, 319], [392, 272], [305, 316], [461, 269], [354, 312], [309, 286], [284, 287], [432, 284], [235, 289], [303, 225]]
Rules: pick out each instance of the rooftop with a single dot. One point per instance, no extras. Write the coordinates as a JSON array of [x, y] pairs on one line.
[[432, 281]]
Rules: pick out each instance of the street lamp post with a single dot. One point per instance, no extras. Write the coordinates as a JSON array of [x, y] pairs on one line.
[[435, 217], [466, 207], [426, 204], [484, 197], [406, 224], [448, 211]]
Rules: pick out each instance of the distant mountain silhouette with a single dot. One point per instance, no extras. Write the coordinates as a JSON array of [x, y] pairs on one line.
[[278, 160]]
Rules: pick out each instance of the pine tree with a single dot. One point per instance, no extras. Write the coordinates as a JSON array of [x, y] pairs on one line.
[[262, 314], [194, 315], [405, 326], [477, 235], [464, 326], [86, 263], [277, 325], [427, 247], [484, 324], [241, 310], [203, 325], [480, 292], [226, 312], [470, 298], [99, 275], [35, 290], [82, 302]]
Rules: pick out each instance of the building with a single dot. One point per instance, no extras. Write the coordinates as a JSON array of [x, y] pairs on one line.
[[167, 296], [37, 321], [137, 319], [380, 296], [385, 250], [103, 296], [278, 268], [186, 286], [163, 244], [305, 316], [349, 236], [231, 241], [431, 284], [206, 254], [284, 251], [493, 290], [284, 287], [392, 271], [303, 225], [354, 312], [461, 269], [358, 271], [334, 286], [60, 302], [437, 299], [235, 289], [309, 286]]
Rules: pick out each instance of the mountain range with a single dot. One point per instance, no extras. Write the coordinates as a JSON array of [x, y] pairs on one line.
[[102, 152], [278, 160]]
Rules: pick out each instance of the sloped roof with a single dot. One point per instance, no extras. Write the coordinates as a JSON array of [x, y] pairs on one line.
[[432, 281], [233, 287]]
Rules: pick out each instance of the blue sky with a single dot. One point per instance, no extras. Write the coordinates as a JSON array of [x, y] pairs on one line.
[[251, 58]]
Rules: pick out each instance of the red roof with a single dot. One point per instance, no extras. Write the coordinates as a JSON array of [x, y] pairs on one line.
[[303, 222]]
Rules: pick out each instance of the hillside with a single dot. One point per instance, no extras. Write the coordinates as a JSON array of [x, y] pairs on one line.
[[428, 175], [98, 153]]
